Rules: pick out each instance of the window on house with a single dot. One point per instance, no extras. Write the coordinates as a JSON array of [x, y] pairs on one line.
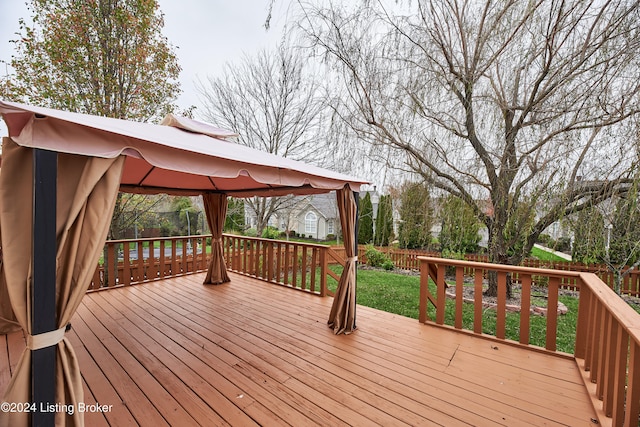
[[330, 227], [310, 223]]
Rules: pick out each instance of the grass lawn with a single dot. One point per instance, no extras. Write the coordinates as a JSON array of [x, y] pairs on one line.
[[544, 255], [400, 294], [312, 241]]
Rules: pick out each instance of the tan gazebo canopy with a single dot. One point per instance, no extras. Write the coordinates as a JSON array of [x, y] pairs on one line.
[[59, 179], [180, 158]]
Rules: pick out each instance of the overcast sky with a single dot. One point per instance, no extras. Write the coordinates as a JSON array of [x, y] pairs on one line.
[[206, 33]]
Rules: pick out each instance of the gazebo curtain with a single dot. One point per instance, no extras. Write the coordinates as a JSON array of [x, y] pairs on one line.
[[343, 311], [86, 197], [215, 207], [8, 321]]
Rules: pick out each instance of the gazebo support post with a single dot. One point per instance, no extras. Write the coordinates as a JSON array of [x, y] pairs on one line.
[[43, 295], [356, 197]]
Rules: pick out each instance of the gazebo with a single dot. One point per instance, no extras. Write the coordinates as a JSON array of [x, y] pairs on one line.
[[59, 178]]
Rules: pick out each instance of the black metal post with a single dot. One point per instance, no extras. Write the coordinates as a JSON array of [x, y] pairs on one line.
[[43, 295], [356, 197]]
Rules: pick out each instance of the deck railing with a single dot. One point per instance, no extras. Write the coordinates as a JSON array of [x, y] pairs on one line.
[[607, 331], [129, 262], [302, 266], [298, 265], [407, 259]]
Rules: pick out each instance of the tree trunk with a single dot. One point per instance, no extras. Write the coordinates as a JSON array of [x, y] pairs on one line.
[[492, 290], [498, 255], [617, 281]]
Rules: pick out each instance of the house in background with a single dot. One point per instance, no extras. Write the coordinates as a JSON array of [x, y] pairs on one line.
[[315, 217]]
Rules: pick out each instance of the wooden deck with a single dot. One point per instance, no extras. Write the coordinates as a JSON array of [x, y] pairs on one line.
[[175, 352]]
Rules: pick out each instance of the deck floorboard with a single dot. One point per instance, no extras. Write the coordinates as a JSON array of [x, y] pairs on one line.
[[175, 352]]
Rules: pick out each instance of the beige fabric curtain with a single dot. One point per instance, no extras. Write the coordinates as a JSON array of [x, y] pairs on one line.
[[8, 321], [343, 311], [87, 189], [215, 206]]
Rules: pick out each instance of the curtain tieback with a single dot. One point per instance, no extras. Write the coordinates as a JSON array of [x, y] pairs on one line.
[[352, 258], [47, 339], [217, 240]]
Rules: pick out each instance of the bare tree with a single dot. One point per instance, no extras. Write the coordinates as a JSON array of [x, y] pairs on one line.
[[274, 105], [500, 103], [610, 233], [132, 210]]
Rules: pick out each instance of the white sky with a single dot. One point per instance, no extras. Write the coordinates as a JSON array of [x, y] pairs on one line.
[[207, 34]]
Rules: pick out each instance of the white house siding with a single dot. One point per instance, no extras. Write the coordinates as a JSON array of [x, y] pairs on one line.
[[321, 225]]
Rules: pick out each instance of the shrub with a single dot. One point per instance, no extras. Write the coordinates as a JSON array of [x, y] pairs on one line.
[[451, 270], [270, 233], [330, 237], [388, 265], [375, 258], [564, 245], [460, 227], [545, 240], [540, 280], [252, 232]]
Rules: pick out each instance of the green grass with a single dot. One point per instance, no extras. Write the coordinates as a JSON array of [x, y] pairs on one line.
[[394, 293], [544, 255], [400, 294], [312, 241]]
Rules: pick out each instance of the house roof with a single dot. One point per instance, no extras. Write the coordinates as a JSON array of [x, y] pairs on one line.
[[325, 204], [190, 159]]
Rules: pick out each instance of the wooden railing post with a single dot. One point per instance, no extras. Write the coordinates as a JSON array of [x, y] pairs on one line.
[[552, 313], [151, 263], [174, 258], [324, 268], [126, 264], [161, 261], [501, 308], [111, 265], [269, 261], [141, 270], [287, 262], [294, 276], [477, 304], [459, 296], [632, 405], [441, 294], [279, 255], [525, 307], [582, 328], [424, 292], [185, 265], [303, 267]]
